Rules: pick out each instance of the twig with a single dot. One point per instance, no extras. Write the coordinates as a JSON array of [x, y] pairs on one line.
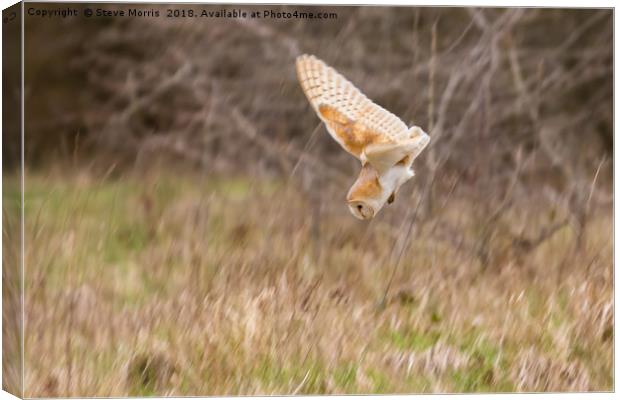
[[403, 246], [301, 385], [593, 184]]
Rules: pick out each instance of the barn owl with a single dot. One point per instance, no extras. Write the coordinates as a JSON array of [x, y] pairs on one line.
[[379, 139]]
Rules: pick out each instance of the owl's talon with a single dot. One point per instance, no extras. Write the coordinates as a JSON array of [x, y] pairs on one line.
[[390, 199]]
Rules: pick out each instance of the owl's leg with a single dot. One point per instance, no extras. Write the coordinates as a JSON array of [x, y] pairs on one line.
[[405, 161]]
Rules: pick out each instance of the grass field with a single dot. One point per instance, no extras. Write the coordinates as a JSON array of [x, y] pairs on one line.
[[180, 285]]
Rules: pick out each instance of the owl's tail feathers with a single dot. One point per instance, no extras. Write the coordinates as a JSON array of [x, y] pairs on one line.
[[420, 140]]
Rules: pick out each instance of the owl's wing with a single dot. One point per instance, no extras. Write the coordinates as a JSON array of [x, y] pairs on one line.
[[383, 156], [352, 119]]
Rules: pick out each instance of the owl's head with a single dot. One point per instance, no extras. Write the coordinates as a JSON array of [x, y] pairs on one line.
[[371, 190]]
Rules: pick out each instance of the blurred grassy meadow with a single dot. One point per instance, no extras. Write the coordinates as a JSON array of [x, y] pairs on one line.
[[142, 286], [186, 231]]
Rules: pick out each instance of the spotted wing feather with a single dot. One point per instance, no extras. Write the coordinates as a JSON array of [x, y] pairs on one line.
[[351, 118]]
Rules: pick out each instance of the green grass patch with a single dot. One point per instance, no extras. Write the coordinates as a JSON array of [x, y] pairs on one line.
[[412, 339], [307, 377], [487, 370], [345, 377]]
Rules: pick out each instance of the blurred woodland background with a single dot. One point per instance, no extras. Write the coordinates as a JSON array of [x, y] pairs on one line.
[[186, 225]]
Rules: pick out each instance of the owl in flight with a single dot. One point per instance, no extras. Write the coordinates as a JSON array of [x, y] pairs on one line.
[[375, 136]]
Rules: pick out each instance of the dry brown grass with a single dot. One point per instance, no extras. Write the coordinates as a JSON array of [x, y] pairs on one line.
[[198, 285]]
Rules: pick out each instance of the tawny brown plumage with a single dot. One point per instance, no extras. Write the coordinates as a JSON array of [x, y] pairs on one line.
[[378, 138]]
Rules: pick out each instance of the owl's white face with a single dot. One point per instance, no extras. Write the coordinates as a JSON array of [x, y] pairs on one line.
[[371, 190], [361, 209]]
